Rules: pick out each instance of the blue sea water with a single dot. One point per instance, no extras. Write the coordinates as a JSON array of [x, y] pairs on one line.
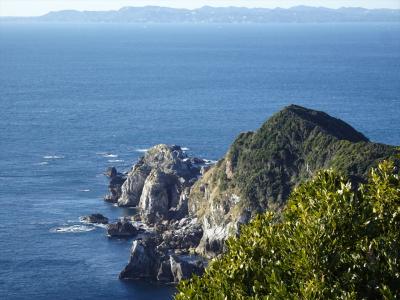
[[75, 99]]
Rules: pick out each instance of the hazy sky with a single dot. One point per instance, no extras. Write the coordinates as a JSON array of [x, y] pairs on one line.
[[39, 7]]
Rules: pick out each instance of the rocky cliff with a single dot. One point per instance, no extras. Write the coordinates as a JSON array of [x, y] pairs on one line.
[[159, 186], [165, 254], [262, 167], [189, 208], [159, 182], [115, 184]]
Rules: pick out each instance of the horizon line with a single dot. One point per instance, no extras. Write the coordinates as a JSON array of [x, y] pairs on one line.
[[200, 7]]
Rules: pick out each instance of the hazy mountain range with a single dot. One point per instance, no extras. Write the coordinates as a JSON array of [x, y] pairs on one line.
[[207, 14]]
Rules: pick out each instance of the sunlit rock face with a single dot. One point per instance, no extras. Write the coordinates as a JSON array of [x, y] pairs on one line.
[[159, 183]]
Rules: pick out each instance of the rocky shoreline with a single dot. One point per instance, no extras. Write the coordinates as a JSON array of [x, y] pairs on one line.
[[187, 206], [165, 236]]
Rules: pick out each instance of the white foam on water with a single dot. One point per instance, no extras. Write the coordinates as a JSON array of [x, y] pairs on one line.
[[100, 225], [92, 224], [141, 150], [72, 229], [53, 157], [43, 163], [210, 161], [84, 190], [185, 148], [110, 155], [115, 160]]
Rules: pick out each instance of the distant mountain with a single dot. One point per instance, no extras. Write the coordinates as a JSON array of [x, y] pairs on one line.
[[207, 14]]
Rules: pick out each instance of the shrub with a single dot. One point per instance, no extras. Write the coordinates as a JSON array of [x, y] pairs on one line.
[[332, 241]]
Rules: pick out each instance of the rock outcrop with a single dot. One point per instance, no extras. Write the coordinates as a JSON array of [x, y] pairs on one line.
[[144, 260], [157, 258], [115, 185], [159, 183], [95, 219], [184, 235], [122, 229], [161, 192], [184, 267], [262, 167]]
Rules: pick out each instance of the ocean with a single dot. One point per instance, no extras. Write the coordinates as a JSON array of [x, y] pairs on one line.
[[76, 99]]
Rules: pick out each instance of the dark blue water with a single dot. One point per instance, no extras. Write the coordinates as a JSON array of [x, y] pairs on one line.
[[80, 92]]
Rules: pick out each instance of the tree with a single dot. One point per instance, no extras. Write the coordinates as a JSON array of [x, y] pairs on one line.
[[332, 240]]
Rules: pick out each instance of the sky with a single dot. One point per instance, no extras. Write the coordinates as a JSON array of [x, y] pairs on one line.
[[40, 7]]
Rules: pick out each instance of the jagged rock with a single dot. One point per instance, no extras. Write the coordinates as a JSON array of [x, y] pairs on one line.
[[262, 167], [185, 267], [185, 237], [171, 160], [111, 172], [181, 210], [183, 222], [115, 184], [148, 262], [159, 184], [122, 228], [197, 161], [95, 219], [160, 193], [164, 272], [151, 257], [132, 189], [144, 261]]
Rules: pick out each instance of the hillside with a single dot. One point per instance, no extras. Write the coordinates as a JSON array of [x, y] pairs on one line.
[[262, 167]]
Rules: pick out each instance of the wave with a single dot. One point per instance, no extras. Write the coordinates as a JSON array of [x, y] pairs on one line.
[[100, 225], [115, 160], [141, 150], [110, 155], [210, 161], [43, 163], [106, 154], [72, 229], [92, 224], [53, 157], [185, 148], [84, 190]]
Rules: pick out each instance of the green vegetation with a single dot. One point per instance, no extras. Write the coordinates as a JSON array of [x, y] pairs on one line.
[[332, 241], [264, 166], [290, 147]]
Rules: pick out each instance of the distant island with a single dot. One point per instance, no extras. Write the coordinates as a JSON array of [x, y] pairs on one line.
[[207, 14]]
